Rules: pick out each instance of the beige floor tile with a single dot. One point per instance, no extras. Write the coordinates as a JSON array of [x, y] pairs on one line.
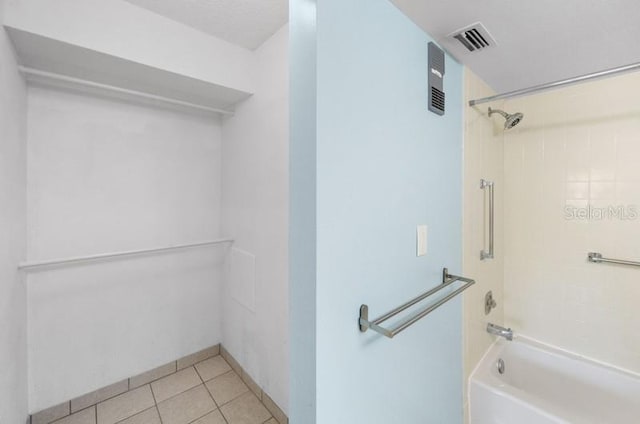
[[152, 375], [214, 417], [187, 406], [50, 414], [272, 421], [99, 395], [194, 358], [86, 416], [176, 383], [226, 387], [212, 367], [125, 405], [148, 416], [246, 409]]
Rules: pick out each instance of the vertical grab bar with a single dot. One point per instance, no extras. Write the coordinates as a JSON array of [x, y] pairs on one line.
[[488, 254]]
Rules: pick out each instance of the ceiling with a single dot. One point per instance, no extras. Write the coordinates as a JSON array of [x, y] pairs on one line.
[[246, 23], [537, 41]]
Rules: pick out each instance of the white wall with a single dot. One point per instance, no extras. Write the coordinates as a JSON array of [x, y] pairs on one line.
[[107, 176], [577, 147], [255, 213], [13, 341], [483, 159]]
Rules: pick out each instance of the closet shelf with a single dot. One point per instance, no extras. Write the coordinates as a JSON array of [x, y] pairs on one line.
[[52, 79], [50, 62], [55, 263]]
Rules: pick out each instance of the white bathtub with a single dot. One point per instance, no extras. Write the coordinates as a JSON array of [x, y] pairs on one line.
[[542, 385]]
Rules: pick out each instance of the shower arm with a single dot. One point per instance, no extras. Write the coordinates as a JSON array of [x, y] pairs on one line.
[[498, 111]]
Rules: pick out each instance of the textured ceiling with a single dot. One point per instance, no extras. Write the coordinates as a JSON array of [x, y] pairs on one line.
[[247, 23], [537, 41]]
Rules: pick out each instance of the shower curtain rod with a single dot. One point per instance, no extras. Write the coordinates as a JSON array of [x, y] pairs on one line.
[[556, 84]]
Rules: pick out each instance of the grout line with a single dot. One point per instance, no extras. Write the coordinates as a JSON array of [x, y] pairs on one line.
[[198, 373], [97, 403], [159, 414], [137, 413], [222, 415], [155, 402], [231, 400], [214, 410], [211, 396], [153, 394], [179, 393]]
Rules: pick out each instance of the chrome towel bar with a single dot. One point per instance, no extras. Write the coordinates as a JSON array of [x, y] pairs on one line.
[[447, 279], [597, 258]]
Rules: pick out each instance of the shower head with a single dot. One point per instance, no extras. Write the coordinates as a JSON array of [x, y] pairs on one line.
[[511, 119]]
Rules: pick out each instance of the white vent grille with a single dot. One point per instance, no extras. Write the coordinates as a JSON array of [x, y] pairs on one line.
[[474, 37]]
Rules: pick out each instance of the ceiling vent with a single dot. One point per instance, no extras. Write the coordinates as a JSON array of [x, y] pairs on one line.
[[474, 37]]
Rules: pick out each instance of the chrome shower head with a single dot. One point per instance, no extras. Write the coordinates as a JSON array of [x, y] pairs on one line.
[[511, 119]]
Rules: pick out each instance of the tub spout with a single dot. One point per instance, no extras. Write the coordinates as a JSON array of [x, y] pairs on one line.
[[507, 333]]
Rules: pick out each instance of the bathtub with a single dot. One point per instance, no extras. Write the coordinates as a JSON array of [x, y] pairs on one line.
[[542, 385]]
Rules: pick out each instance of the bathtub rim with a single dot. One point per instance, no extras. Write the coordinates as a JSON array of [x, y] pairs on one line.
[[539, 345]]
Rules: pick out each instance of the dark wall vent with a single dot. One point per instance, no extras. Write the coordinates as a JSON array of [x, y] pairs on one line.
[[436, 77]]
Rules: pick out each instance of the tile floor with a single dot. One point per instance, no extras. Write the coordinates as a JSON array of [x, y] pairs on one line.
[[209, 392]]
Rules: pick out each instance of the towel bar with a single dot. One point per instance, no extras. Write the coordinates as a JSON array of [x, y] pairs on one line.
[[447, 279]]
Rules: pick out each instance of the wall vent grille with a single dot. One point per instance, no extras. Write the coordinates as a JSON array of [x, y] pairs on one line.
[[436, 79], [437, 99], [474, 37]]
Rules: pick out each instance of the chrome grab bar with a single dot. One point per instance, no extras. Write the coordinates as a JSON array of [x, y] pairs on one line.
[[597, 258], [488, 254], [447, 279]]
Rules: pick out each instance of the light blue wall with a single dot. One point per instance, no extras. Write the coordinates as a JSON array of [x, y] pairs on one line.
[[302, 211], [383, 165]]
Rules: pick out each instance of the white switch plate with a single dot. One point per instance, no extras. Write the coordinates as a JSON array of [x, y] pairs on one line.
[[421, 248]]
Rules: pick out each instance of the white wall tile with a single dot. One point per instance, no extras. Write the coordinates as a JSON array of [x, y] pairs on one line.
[[589, 160], [483, 159]]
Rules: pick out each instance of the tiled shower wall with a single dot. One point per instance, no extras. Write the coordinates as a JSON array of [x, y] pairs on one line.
[[575, 156], [483, 159]]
